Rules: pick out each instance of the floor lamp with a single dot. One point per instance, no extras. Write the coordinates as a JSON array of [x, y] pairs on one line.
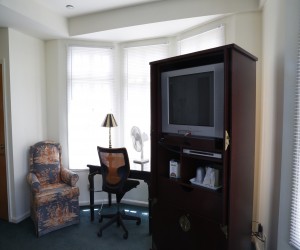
[[109, 122]]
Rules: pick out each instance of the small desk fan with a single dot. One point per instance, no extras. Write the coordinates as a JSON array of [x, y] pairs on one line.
[[138, 140]]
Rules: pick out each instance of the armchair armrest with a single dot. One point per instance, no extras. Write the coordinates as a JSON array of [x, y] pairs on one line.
[[34, 182], [68, 176]]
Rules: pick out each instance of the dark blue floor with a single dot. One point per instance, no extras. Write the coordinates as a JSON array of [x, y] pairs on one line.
[[79, 237]]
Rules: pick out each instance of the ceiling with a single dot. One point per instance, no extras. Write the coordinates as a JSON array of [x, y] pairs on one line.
[[82, 7], [34, 18]]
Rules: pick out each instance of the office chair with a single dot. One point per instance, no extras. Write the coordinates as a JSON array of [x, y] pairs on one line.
[[115, 171]]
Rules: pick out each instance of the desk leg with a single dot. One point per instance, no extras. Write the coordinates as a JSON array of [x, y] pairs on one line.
[[91, 180], [109, 199]]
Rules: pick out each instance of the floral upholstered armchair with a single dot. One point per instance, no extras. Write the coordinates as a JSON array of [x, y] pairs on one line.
[[53, 192]]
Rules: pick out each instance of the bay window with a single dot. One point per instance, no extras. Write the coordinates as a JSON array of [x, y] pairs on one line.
[[96, 88]]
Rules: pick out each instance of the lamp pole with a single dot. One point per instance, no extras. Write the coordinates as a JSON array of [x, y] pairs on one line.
[[109, 137]]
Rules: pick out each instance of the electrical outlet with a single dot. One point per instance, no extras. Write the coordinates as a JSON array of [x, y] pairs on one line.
[[259, 239], [260, 230]]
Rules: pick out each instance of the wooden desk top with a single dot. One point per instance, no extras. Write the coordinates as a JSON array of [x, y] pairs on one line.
[[134, 174]]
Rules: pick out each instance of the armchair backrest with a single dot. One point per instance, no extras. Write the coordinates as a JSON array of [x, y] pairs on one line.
[[115, 168], [45, 161]]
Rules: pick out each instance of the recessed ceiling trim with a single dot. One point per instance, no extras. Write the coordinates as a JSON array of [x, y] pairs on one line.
[[154, 12]]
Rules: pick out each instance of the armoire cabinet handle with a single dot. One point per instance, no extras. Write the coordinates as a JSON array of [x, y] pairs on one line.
[[227, 140], [185, 223]]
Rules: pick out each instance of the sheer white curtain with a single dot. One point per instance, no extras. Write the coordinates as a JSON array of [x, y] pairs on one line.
[[137, 93], [90, 97], [206, 40], [295, 208]]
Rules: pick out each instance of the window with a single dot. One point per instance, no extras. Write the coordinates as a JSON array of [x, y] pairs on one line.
[[90, 97], [93, 92], [295, 210], [137, 93], [206, 40]]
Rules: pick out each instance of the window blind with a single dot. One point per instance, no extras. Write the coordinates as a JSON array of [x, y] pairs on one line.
[[206, 40], [90, 98], [295, 207], [137, 93]]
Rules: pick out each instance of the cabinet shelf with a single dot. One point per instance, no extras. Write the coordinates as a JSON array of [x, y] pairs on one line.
[[203, 143], [188, 185], [203, 158], [205, 186]]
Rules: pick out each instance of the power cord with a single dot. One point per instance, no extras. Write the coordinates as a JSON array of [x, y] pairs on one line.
[[100, 210], [259, 233]]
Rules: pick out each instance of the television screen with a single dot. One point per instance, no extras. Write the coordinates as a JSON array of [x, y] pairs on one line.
[[191, 99]]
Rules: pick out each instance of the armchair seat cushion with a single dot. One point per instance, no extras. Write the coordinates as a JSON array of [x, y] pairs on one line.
[[55, 193], [54, 207]]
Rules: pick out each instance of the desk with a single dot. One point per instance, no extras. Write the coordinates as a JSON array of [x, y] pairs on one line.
[[134, 174]]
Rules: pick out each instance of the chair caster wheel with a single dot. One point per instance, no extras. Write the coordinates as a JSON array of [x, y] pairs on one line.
[[125, 236], [138, 222], [99, 234]]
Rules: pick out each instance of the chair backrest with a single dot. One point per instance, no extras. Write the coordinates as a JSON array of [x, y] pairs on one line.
[[115, 168], [45, 161]]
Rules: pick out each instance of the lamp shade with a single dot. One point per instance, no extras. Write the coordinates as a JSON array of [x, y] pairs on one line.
[[109, 121]]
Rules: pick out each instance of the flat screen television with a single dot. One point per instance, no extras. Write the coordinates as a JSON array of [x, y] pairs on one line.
[[193, 101]]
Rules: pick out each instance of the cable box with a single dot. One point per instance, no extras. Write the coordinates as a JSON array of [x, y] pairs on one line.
[[202, 153]]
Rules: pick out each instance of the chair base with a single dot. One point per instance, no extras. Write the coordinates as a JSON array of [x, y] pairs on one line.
[[117, 218]]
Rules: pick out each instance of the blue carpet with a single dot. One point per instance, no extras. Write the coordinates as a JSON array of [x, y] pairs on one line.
[[81, 236]]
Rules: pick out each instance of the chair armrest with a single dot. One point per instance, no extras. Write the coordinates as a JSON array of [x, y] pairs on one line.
[[34, 182], [69, 177]]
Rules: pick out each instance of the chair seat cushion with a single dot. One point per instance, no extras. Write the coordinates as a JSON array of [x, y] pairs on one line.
[[55, 193], [130, 184]]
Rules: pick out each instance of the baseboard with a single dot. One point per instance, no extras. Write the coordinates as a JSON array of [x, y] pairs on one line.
[[125, 201], [19, 218], [135, 202]]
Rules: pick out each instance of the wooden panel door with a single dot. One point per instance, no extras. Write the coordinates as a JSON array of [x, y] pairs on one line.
[[3, 181]]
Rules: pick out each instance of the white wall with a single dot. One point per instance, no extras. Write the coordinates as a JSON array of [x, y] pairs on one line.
[[272, 80], [280, 28], [28, 113]]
